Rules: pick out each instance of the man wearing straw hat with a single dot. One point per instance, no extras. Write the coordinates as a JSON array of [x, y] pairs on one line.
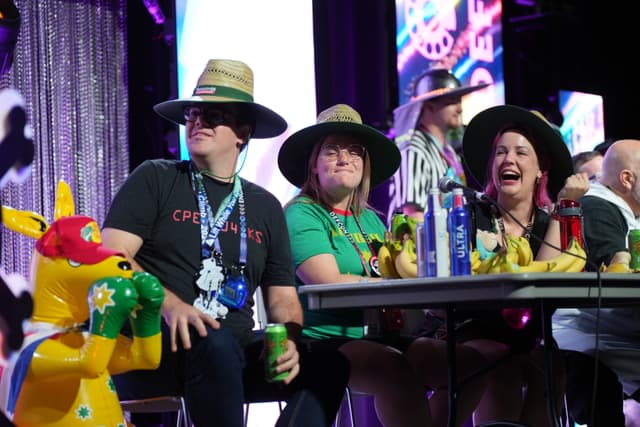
[[212, 238], [421, 127]]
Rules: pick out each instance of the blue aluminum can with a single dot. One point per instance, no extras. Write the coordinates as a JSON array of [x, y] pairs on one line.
[[459, 242]]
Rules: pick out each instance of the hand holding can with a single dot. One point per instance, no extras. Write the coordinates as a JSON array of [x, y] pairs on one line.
[[275, 344]]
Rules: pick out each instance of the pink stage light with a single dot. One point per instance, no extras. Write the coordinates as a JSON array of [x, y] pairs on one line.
[[154, 9]]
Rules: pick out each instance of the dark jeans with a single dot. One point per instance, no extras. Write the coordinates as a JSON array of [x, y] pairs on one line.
[[217, 376], [579, 391]]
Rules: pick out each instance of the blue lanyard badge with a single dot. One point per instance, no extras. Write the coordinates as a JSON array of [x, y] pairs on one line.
[[219, 287]]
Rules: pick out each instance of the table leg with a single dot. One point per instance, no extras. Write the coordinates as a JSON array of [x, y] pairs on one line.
[[451, 363], [547, 336]]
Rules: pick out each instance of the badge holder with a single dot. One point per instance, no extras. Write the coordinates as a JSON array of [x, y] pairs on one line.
[[375, 267], [233, 292], [209, 280]]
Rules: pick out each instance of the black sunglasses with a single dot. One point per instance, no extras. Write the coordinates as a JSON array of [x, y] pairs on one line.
[[209, 116]]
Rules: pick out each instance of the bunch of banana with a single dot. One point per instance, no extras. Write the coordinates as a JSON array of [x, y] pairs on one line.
[[517, 257], [397, 256], [619, 264]]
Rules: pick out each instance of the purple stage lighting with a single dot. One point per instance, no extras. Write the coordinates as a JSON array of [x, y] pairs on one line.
[[154, 9], [9, 28]]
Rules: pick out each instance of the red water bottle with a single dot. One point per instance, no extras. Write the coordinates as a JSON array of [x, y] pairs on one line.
[[569, 213]]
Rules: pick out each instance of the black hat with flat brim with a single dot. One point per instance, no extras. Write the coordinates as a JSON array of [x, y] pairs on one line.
[[477, 142]]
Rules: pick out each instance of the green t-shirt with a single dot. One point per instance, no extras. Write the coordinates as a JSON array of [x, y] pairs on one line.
[[312, 232]]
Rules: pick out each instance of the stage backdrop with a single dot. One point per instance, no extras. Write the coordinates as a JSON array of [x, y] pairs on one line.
[[462, 36], [275, 38], [70, 66], [583, 124]]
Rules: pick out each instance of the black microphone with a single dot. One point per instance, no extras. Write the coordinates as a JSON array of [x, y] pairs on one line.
[[446, 185]]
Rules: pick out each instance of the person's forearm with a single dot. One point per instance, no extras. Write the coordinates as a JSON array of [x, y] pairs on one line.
[[283, 312], [289, 314], [170, 299], [552, 236]]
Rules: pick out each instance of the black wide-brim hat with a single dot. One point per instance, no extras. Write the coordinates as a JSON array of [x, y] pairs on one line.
[[293, 158], [230, 82], [477, 143]]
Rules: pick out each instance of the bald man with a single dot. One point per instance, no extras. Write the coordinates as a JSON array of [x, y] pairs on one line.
[[610, 209]]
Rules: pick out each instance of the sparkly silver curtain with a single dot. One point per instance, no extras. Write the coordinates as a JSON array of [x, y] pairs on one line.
[[70, 66]]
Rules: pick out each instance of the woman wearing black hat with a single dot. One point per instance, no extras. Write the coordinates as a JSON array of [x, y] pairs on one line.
[[524, 164], [335, 237]]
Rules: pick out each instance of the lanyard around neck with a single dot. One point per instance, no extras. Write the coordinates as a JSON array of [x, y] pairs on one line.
[[210, 226], [349, 237]]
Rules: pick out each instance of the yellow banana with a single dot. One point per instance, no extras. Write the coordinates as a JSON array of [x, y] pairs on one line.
[[487, 263], [394, 246], [511, 251], [386, 264], [508, 266], [535, 267], [572, 260], [618, 267], [619, 263], [406, 262], [495, 266], [475, 260], [525, 254], [581, 258]]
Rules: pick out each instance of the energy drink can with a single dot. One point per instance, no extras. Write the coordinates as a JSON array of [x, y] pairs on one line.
[[634, 248], [275, 344]]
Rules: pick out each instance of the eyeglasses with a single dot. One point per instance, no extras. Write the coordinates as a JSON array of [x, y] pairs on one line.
[[209, 116], [332, 151]]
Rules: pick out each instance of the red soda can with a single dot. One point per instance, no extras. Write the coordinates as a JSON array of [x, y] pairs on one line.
[[275, 344]]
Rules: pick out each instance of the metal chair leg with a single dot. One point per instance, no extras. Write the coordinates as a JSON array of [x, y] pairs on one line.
[[160, 404], [352, 416]]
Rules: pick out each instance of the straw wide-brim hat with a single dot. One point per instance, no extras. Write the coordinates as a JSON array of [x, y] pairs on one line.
[[437, 83], [226, 81], [479, 135], [293, 158]]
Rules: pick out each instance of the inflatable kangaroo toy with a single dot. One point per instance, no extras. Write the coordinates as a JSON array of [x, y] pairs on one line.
[[61, 376]]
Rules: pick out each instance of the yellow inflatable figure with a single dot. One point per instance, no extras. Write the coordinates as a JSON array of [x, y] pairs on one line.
[[62, 374]]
